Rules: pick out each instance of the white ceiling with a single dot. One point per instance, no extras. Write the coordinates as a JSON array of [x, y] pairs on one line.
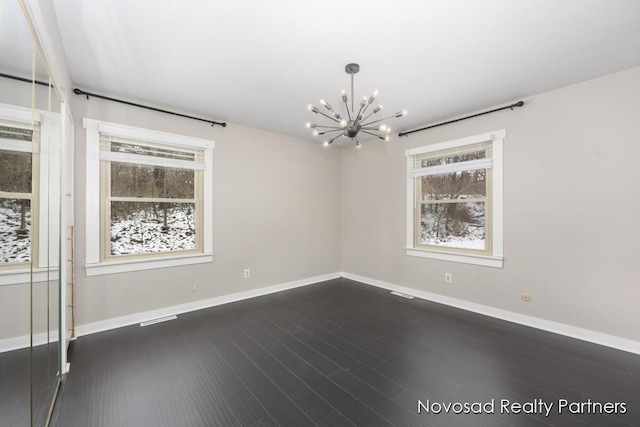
[[17, 46], [259, 63]]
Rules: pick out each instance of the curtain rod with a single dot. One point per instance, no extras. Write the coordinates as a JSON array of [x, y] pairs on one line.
[[512, 106], [22, 79], [88, 94]]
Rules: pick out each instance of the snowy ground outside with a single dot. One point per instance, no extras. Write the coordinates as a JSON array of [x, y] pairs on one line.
[[464, 229], [141, 232], [12, 248], [138, 233]]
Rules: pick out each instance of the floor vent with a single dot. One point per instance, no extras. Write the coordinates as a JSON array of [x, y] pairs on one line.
[[400, 294], [158, 320]]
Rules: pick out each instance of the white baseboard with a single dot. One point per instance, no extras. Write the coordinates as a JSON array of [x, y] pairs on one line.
[[118, 322], [16, 343], [534, 322]]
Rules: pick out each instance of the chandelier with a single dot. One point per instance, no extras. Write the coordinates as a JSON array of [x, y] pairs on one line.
[[356, 122]]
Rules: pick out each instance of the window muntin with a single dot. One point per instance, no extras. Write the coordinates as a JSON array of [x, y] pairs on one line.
[[151, 207]]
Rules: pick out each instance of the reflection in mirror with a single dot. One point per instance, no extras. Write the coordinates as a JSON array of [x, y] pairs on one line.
[[29, 214]]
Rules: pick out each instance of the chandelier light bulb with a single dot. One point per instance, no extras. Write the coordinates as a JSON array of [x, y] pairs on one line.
[[387, 138], [373, 97], [358, 144], [315, 133], [343, 123], [326, 143], [377, 109], [382, 128], [344, 96]]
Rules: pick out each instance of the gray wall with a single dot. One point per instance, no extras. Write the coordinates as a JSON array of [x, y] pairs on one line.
[[571, 210], [276, 210]]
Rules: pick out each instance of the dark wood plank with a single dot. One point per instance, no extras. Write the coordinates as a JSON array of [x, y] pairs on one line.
[[352, 408], [289, 384]]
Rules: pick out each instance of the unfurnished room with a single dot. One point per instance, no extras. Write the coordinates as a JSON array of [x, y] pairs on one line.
[[340, 213]]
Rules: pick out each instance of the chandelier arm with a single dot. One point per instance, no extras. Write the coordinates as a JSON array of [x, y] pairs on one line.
[[369, 115], [330, 108], [330, 127], [346, 105], [371, 133], [365, 109], [333, 130], [380, 120], [334, 138], [329, 117], [358, 115]]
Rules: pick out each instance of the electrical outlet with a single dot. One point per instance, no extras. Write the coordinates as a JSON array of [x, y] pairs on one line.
[[247, 273], [526, 297], [447, 277]]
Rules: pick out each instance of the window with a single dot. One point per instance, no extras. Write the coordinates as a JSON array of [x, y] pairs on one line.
[[454, 200], [29, 194], [18, 160], [154, 205]]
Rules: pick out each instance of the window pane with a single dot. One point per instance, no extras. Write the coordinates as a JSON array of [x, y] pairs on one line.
[[133, 180], [145, 227], [454, 225], [452, 158], [15, 133], [15, 230], [15, 172], [456, 185], [144, 150]]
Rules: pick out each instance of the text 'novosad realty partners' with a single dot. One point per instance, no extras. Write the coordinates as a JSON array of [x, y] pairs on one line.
[[536, 406]]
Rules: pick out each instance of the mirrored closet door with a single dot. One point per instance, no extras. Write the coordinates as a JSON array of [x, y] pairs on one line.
[[30, 154]]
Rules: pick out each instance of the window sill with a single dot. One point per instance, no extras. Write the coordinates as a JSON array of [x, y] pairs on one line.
[[17, 276], [486, 261], [124, 266]]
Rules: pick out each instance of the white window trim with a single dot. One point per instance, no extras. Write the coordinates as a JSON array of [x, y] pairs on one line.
[[94, 265], [496, 259], [48, 192]]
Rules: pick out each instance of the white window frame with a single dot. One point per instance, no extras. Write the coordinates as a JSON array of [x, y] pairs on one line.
[[496, 258], [47, 219], [97, 265]]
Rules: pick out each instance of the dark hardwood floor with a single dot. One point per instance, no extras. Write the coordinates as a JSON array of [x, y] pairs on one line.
[[18, 386], [340, 353]]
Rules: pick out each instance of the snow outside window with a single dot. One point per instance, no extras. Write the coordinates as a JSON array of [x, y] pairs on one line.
[[154, 203], [455, 200]]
